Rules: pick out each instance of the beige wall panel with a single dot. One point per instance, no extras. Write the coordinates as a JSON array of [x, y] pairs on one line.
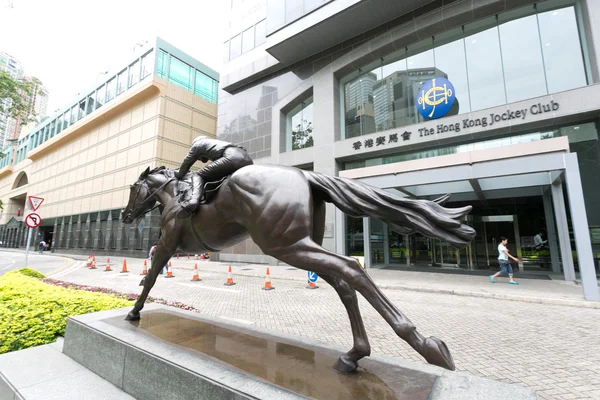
[[177, 132], [205, 106], [135, 135], [151, 108], [204, 123], [179, 112], [125, 122], [137, 116]]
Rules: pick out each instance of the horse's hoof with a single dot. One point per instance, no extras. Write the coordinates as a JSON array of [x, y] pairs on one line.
[[437, 353], [132, 316], [345, 366], [142, 281]]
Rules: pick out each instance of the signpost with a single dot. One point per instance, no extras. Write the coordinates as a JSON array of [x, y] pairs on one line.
[[32, 220]]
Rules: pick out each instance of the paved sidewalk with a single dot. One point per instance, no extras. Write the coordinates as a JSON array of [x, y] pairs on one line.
[[550, 348], [558, 292]]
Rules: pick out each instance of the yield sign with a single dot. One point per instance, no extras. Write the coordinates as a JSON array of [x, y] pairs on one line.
[[35, 202]]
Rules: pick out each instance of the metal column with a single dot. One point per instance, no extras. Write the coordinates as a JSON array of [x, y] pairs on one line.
[[581, 231], [563, 231], [386, 245]]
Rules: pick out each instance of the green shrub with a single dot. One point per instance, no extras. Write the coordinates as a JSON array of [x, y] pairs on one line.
[[33, 313], [31, 272]]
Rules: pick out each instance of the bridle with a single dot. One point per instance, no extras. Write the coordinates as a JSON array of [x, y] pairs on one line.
[[145, 185]]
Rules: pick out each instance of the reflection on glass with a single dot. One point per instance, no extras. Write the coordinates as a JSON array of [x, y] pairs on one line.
[[355, 245], [522, 59], [301, 128], [450, 58], [562, 50], [484, 64], [496, 62]]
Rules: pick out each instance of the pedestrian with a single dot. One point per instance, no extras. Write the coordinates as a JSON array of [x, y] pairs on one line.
[[151, 255], [505, 267], [42, 245]]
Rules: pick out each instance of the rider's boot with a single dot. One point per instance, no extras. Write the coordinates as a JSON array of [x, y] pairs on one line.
[[188, 207]]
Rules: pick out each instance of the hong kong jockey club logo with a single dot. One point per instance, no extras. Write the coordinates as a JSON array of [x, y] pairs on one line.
[[435, 98]]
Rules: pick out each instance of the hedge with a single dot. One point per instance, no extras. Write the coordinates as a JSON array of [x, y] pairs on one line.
[[33, 313]]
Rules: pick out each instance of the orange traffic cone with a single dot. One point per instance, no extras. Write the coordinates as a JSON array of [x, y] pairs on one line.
[[170, 272], [229, 278], [93, 264], [107, 265], [124, 269], [145, 270], [89, 261], [196, 278], [268, 281], [312, 285]]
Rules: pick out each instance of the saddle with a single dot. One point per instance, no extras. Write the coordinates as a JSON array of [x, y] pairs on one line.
[[209, 190]]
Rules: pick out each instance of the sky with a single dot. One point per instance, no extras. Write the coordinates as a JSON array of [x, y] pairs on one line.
[[67, 44]]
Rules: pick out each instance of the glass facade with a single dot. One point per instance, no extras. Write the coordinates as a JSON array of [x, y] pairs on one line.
[[300, 126], [484, 61]]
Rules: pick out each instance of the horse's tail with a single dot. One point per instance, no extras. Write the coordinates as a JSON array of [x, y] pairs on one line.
[[403, 215]]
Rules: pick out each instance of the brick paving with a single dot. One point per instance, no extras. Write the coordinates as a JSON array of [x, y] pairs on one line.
[[551, 348]]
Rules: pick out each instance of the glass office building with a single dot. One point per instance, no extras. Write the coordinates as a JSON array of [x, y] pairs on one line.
[[515, 134]]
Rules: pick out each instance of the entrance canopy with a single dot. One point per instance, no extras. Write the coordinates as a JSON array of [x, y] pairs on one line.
[[520, 170]]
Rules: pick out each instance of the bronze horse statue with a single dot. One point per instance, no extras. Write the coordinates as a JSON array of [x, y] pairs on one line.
[[283, 210]]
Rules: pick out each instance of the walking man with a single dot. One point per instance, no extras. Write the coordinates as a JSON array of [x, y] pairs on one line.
[[505, 267]]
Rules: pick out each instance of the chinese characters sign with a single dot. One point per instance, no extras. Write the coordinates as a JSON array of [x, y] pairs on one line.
[[380, 141]]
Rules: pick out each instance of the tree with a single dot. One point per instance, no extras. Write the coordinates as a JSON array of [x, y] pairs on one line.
[[302, 135], [15, 97]]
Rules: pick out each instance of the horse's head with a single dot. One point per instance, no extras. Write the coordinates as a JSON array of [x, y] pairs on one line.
[[140, 199]]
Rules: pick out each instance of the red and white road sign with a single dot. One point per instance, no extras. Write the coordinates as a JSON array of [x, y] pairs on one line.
[[35, 202], [33, 220]]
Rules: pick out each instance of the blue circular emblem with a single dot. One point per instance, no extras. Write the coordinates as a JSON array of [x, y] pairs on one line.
[[435, 98]]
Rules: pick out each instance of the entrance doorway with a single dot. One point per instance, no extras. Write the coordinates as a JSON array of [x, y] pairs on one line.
[[494, 228]]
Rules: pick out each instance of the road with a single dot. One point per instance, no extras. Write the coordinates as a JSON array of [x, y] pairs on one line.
[[45, 263]]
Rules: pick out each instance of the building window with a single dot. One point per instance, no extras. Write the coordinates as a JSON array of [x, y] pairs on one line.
[[300, 126], [248, 40], [260, 33], [100, 95], [226, 51], [205, 87], [484, 62], [161, 64], [235, 47], [147, 62], [180, 73], [134, 73], [111, 89], [122, 82]]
